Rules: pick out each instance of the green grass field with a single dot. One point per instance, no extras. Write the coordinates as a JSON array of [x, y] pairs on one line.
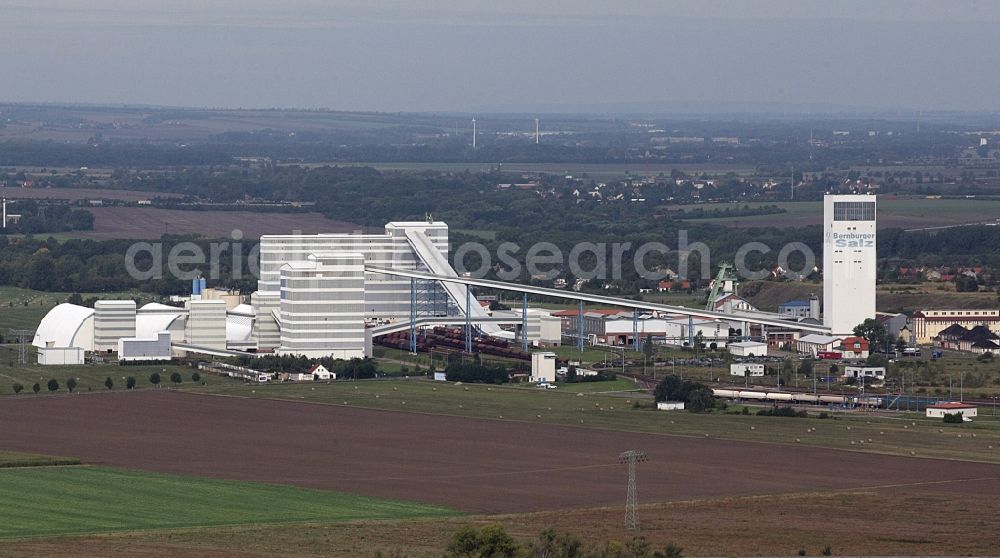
[[897, 435], [46, 501]]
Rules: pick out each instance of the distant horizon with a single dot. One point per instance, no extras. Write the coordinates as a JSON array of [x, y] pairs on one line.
[[563, 56], [793, 110]]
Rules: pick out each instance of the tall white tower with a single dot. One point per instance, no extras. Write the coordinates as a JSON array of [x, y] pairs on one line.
[[848, 261], [473, 133], [536, 131]]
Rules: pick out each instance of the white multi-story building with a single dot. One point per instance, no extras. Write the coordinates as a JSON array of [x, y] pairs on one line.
[[322, 306], [113, 319], [385, 296], [848, 261], [206, 324]]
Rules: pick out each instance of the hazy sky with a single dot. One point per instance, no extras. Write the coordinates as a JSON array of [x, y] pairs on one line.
[[455, 55]]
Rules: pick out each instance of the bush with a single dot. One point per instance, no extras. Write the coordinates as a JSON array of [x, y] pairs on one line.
[[176, 378], [71, 384], [130, 382], [782, 412], [17, 388], [491, 540], [53, 385], [195, 377], [476, 373], [109, 383], [36, 388], [827, 551], [154, 378], [953, 418], [824, 415]]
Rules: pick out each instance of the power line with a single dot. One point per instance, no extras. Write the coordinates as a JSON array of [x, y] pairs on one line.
[[630, 458], [23, 336]]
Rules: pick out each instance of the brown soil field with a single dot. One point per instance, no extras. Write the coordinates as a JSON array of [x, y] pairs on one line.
[[151, 223], [478, 466], [74, 194]]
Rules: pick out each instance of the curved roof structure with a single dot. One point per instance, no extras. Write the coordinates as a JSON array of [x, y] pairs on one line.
[[66, 325], [157, 308], [242, 309], [239, 328], [148, 325]]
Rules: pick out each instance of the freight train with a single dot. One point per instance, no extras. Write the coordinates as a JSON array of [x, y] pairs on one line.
[[795, 397], [444, 339]]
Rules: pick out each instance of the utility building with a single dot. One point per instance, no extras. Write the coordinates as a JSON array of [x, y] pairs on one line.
[[848, 261], [113, 319]]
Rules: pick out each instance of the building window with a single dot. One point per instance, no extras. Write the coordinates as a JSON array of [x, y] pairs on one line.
[[854, 211]]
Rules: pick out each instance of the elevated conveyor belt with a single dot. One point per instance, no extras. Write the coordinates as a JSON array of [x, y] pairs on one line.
[[762, 318], [438, 265]]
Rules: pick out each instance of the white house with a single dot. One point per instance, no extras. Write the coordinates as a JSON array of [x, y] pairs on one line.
[[746, 369], [319, 372], [816, 343], [941, 409], [748, 349]]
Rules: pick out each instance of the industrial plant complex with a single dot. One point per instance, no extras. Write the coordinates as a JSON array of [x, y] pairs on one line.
[[332, 295]]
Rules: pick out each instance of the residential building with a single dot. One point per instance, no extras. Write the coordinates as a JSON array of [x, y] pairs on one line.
[[927, 324], [855, 347]]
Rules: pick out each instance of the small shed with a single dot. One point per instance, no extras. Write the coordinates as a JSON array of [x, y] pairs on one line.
[[670, 406], [746, 369], [939, 410], [748, 349]]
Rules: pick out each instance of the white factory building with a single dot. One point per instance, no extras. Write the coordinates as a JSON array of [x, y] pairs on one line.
[[849, 261], [322, 310], [314, 298]]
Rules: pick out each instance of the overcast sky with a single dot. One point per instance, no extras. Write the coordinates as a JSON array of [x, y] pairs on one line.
[[515, 55]]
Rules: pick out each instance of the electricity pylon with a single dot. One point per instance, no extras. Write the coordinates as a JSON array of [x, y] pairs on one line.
[[630, 458]]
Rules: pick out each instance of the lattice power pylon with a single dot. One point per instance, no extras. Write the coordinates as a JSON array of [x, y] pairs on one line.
[[630, 458], [24, 337]]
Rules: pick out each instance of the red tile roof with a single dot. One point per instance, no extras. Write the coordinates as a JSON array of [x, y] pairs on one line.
[[951, 405]]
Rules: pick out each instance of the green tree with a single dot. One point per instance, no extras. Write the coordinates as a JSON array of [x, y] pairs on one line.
[[36, 388], [555, 544], [806, 367], [492, 541], [873, 332], [17, 388], [109, 383], [130, 382], [648, 348], [154, 379], [966, 284], [76, 299], [176, 377], [71, 384], [195, 377], [53, 385]]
